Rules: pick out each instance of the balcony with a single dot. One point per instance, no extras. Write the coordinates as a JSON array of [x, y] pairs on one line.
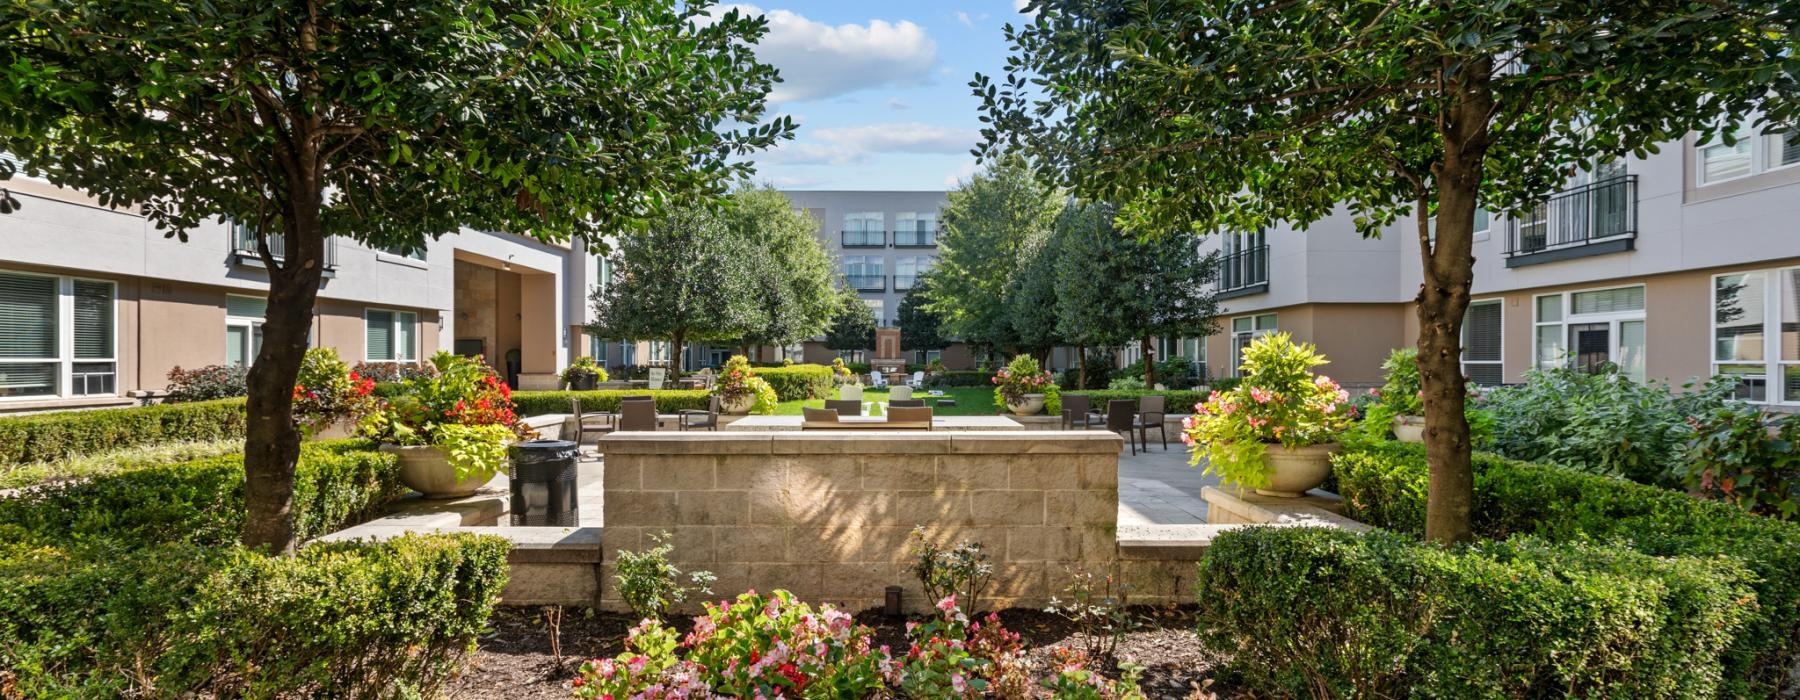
[[863, 239], [915, 239], [868, 283], [1594, 219], [1243, 272], [244, 248]]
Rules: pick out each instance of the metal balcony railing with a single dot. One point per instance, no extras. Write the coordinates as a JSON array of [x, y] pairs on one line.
[[915, 239], [863, 239], [1244, 269], [1596, 212], [868, 283], [244, 240]]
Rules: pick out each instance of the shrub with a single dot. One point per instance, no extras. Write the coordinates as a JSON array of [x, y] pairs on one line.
[[734, 380], [464, 408], [539, 403], [327, 391], [1745, 457], [394, 372], [207, 383], [1280, 401], [1563, 505], [1173, 372], [651, 585], [960, 573], [960, 378], [1328, 613], [46, 437], [799, 382], [1602, 423], [1126, 382], [113, 462]]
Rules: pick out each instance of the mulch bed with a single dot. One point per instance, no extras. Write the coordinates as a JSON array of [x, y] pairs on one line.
[[515, 660]]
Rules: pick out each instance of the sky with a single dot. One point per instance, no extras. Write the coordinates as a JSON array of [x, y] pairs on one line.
[[879, 90]]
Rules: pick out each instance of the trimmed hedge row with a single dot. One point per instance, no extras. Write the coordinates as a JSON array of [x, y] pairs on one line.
[[1328, 613], [46, 437], [798, 382], [133, 581], [538, 403], [1179, 401], [1384, 484]]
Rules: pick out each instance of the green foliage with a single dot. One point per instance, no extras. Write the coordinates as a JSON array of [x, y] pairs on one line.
[[651, 585], [920, 327], [1602, 422], [539, 403], [852, 325], [1171, 372], [798, 382], [960, 378], [1745, 457], [1401, 389], [959, 574], [48, 437], [1327, 613], [686, 279], [791, 277], [1384, 486], [327, 391], [583, 366], [991, 224], [113, 461], [1402, 394], [463, 408], [734, 379], [1280, 401], [209, 383], [766, 399], [1020, 377], [1127, 382]]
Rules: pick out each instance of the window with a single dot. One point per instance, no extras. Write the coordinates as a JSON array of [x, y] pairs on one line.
[[1245, 329], [597, 349], [1756, 333], [908, 269], [406, 251], [628, 353], [1481, 343], [1589, 329], [1483, 222], [243, 329], [56, 332], [915, 229], [1786, 149], [1719, 162], [390, 336], [864, 230], [865, 272], [877, 307]]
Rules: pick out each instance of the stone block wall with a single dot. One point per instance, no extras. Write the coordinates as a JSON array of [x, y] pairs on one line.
[[827, 515]]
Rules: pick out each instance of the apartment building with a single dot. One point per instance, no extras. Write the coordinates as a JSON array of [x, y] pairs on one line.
[[97, 306], [1679, 265]]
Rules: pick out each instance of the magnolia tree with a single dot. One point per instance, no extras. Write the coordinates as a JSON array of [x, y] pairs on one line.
[[1236, 114], [387, 122]]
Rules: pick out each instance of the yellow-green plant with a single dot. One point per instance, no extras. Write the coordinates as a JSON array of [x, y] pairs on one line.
[[1280, 401]]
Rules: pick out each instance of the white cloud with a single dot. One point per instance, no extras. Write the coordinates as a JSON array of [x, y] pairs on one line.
[[963, 174], [968, 20], [1019, 5], [818, 60], [852, 145], [897, 104]]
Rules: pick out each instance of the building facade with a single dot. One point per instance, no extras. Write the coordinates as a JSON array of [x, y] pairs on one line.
[[1684, 264]]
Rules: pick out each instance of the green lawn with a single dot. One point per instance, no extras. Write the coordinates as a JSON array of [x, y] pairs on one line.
[[970, 401]]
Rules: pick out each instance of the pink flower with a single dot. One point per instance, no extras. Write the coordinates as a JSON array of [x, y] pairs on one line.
[[948, 603], [1187, 439], [1375, 393]]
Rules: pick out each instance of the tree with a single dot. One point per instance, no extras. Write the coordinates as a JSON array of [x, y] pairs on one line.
[[853, 324], [1159, 286], [1236, 114], [388, 122], [791, 276], [988, 227], [686, 279], [1031, 299], [920, 328]]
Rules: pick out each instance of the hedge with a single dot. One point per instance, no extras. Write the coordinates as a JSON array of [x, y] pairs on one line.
[[1179, 401], [1384, 484], [46, 437], [799, 382], [1324, 612], [538, 403], [133, 582]]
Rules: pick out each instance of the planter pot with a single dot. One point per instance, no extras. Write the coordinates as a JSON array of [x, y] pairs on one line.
[[582, 382], [339, 429], [736, 405], [1409, 428], [850, 392], [1294, 470], [1030, 406], [423, 468]]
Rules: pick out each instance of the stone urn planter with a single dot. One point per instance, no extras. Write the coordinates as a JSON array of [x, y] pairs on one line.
[[582, 382], [423, 468], [1293, 470], [1409, 428], [736, 405], [339, 429], [1029, 406]]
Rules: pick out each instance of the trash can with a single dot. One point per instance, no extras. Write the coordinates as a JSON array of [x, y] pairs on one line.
[[543, 484]]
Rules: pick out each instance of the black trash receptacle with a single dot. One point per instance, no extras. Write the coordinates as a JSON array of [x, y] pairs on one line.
[[543, 484]]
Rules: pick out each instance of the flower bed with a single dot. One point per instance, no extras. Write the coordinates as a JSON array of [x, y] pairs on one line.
[[47, 437], [134, 581]]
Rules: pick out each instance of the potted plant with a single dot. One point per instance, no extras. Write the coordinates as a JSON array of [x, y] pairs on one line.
[[740, 391], [1276, 430], [1400, 402], [450, 430], [935, 368], [1019, 386], [583, 374], [329, 397]]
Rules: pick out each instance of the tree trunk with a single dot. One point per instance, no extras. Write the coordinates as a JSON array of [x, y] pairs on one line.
[[1443, 298], [1081, 357], [675, 356], [1149, 363], [271, 440]]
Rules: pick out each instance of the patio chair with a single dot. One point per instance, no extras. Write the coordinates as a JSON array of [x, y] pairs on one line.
[[1121, 418], [637, 416], [601, 422], [695, 418], [818, 415], [658, 376], [1150, 416], [1078, 411], [918, 380], [900, 392], [909, 414], [843, 407], [906, 403], [877, 380]]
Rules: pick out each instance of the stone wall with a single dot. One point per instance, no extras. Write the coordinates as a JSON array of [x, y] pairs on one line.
[[827, 514]]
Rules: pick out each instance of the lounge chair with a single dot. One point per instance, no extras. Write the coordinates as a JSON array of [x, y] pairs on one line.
[[917, 381]]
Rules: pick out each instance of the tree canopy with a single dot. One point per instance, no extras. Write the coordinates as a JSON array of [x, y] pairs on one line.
[[920, 327], [852, 325], [388, 122], [686, 279], [791, 279], [1236, 114], [990, 225]]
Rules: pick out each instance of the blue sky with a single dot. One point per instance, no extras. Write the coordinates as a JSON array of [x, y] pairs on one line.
[[879, 89]]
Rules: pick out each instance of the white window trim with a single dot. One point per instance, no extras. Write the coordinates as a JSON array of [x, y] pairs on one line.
[[395, 329], [65, 339], [1774, 379], [1772, 144], [1462, 356], [1254, 332], [1763, 146], [1570, 317]]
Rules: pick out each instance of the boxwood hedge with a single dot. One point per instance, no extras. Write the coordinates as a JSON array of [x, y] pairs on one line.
[[798, 382], [47, 437]]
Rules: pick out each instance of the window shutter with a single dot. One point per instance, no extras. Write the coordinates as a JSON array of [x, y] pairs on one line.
[[28, 316], [246, 307], [379, 335], [93, 320], [1609, 301]]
